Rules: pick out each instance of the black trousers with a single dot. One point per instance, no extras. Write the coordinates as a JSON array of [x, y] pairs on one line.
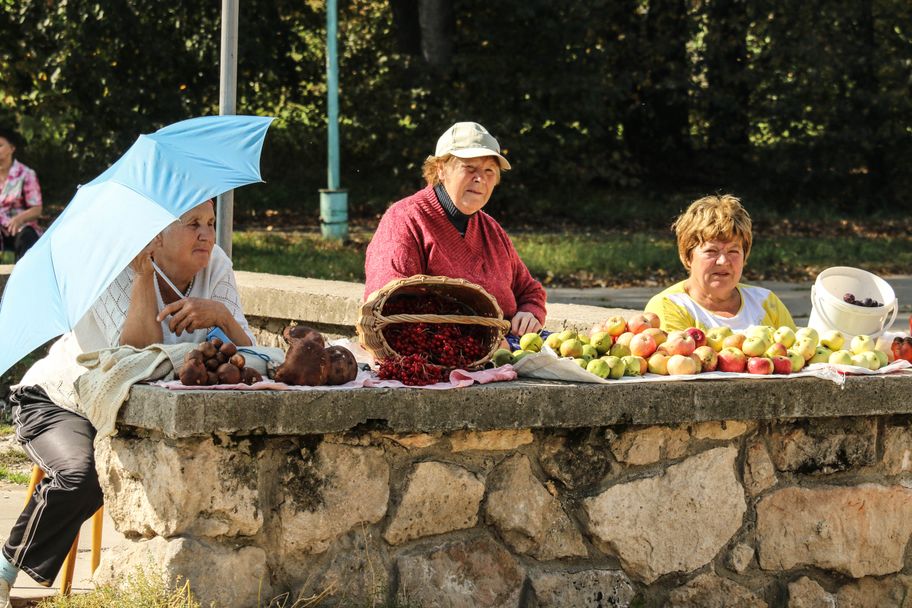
[[60, 442], [20, 243]]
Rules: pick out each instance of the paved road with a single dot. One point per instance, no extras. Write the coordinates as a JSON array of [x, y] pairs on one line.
[[796, 296]]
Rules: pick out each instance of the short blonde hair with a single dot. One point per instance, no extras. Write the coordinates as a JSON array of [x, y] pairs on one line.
[[431, 163], [712, 218]]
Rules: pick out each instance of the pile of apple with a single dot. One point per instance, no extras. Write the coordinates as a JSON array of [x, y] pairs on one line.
[[635, 346]]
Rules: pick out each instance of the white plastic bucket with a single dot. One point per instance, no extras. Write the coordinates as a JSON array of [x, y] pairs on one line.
[[830, 311]]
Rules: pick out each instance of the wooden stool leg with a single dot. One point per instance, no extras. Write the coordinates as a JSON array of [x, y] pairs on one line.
[[97, 523], [34, 480], [69, 564]]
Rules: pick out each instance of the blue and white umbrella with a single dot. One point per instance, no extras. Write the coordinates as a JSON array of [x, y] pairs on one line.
[[112, 218]]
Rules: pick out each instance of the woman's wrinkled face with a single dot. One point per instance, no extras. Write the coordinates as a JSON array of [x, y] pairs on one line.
[[716, 266], [187, 243], [6, 151], [470, 181]]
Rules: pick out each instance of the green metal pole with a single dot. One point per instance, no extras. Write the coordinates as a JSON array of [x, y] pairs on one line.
[[333, 200]]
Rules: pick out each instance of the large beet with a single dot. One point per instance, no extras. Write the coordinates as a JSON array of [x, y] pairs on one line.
[[342, 365], [293, 333]]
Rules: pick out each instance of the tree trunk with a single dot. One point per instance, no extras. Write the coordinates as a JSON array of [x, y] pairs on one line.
[[437, 25]]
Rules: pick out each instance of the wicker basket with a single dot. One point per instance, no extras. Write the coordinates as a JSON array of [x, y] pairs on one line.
[[480, 308]]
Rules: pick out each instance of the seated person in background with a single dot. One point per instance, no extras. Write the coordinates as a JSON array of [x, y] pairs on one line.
[[20, 198], [714, 240], [138, 309], [442, 231]]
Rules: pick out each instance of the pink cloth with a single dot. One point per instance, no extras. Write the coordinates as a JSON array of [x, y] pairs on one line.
[[416, 237], [458, 379], [20, 192]]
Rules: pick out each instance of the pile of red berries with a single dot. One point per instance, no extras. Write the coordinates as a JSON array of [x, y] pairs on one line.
[[412, 370]]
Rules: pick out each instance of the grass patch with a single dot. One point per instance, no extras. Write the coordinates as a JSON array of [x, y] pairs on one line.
[[12, 463], [594, 258], [139, 589]]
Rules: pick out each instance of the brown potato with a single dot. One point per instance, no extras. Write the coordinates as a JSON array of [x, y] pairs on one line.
[[228, 374], [302, 332], [207, 349], [216, 342], [193, 373], [212, 364], [228, 349], [342, 365], [222, 357], [251, 376], [212, 379], [194, 354], [306, 363], [238, 360]]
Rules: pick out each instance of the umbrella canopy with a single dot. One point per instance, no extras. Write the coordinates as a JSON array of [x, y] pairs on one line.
[[112, 218]]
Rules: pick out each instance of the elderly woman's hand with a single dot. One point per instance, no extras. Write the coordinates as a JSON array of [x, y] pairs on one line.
[[191, 314], [142, 263], [524, 323]]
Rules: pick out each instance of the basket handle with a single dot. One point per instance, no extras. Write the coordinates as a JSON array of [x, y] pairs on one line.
[[456, 319]]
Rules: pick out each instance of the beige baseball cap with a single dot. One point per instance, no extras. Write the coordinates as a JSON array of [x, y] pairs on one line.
[[470, 140]]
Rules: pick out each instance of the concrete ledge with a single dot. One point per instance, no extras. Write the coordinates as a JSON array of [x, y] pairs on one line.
[[510, 405]]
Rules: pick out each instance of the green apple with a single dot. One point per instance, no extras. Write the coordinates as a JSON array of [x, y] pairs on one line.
[[531, 342], [805, 347], [571, 348], [862, 344], [841, 357], [519, 354], [715, 336], [502, 356], [599, 367], [832, 339], [633, 365], [553, 342], [581, 362], [617, 366], [760, 331], [584, 338], [619, 350], [755, 346], [872, 361], [568, 334], [785, 336], [882, 357], [810, 332], [589, 352], [797, 360], [601, 340], [821, 355]]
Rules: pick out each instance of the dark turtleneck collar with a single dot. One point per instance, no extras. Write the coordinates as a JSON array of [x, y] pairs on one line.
[[459, 219]]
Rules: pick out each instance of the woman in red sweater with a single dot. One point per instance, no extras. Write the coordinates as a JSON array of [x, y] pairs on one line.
[[442, 231]]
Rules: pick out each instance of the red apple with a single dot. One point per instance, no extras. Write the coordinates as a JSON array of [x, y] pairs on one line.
[[782, 365], [680, 343], [615, 325], [637, 323], [657, 334], [624, 338], [734, 341], [656, 322], [658, 364], [642, 345], [732, 360], [709, 359], [760, 365], [697, 334]]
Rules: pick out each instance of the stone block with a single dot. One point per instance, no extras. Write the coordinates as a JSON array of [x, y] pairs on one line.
[[585, 589], [807, 593], [719, 430], [824, 446], [858, 531], [206, 566], [578, 459], [329, 492], [153, 488], [740, 557], [711, 591], [438, 498], [759, 472], [474, 573], [528, 517], [886, 592], [650, 445], [510, 439], [665, 523], [897, 457]]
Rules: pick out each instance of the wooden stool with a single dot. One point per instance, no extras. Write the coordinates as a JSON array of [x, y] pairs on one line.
[[69, 564]]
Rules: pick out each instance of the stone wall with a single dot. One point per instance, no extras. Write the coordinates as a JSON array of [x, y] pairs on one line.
[[775, 511]]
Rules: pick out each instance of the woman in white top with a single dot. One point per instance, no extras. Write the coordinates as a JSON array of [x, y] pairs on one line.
[[192, 291]]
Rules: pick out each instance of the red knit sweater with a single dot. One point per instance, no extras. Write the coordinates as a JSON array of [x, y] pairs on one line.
[[415, 236]]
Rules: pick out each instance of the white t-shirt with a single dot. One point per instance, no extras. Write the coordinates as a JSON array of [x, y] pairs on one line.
[[101, 326]]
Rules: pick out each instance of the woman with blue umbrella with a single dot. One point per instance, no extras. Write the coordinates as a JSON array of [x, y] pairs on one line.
[[176, 290]]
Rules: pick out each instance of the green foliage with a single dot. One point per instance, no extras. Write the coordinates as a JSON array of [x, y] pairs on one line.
[[141, 589], [784, 103]]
